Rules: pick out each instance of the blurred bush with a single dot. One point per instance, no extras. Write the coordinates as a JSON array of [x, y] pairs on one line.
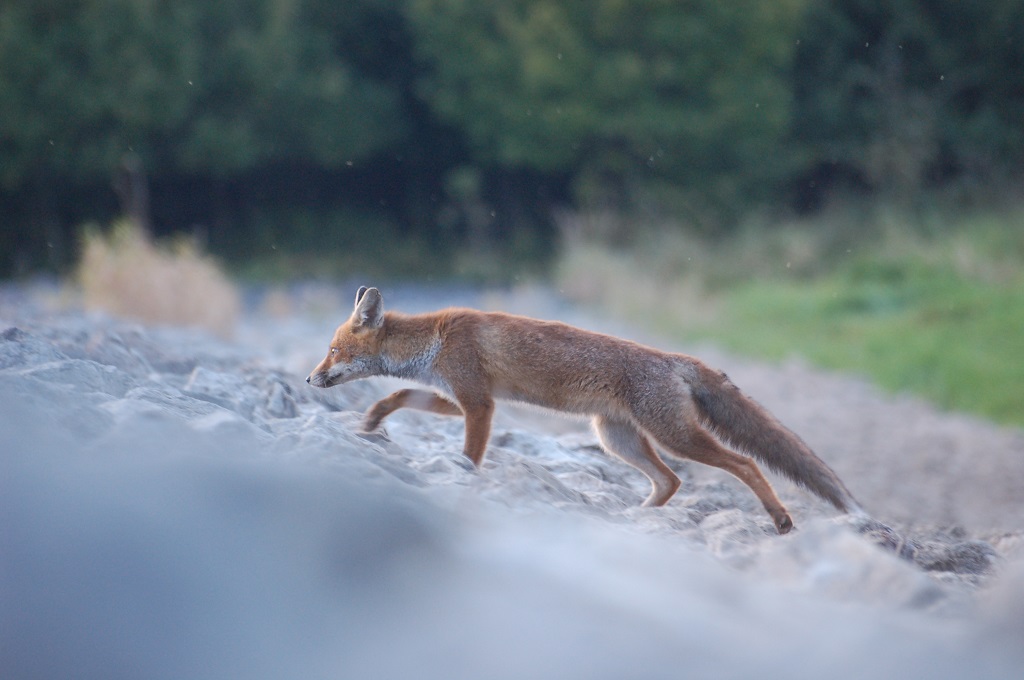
[[126, 274]]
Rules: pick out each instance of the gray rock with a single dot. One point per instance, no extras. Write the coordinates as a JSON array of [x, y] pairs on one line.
[[84, 376], [21, 349]]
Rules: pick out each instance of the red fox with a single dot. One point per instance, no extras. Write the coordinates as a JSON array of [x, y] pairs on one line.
[[636, 394]]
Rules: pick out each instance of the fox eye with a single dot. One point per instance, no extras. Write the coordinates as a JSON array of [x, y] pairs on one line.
[[334, 350]]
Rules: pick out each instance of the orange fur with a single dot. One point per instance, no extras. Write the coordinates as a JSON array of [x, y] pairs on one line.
[[637, 395]]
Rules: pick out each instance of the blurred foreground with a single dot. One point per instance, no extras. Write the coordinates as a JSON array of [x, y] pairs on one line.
[[173, 506]]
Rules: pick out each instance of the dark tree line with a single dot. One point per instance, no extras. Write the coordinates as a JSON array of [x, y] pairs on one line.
[[296, 123]]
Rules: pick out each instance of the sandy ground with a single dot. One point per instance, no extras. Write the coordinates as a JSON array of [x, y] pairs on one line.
[[177, 506]]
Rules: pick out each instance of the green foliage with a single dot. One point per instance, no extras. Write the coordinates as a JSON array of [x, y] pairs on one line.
[[615, 92], [211, 88], [691, 112], [79, 81], [905, 94]]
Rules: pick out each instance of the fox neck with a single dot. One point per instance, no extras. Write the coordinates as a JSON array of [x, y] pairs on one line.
[[408, 348]]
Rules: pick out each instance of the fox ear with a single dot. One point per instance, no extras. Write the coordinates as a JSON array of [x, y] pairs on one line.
[[369, 310], [359, 293]]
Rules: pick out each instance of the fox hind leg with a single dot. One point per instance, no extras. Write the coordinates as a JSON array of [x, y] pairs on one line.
[[423, 400], [622, 439], [696, 444]]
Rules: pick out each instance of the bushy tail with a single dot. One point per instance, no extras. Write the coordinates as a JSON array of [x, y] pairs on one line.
[[742, 423]]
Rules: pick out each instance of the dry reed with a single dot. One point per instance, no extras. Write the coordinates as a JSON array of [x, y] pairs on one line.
[[124, 273]]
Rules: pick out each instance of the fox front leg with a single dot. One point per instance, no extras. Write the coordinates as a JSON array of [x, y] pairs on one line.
[[478, 428], [423, 400]]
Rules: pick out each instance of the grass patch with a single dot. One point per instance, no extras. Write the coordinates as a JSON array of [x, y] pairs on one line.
[[124, 273], [955, 342], [934, 307]]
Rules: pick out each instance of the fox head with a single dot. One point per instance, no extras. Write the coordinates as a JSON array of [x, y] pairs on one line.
[[355, 350]]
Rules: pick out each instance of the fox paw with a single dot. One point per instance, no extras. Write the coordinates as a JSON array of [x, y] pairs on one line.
[[784, 524]]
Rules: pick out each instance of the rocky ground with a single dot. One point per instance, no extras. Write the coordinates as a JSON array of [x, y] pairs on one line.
[[179, 506]]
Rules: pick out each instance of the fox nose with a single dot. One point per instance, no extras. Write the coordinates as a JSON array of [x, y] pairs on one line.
[[307, 378]]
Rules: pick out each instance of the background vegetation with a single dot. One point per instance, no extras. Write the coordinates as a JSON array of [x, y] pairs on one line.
[[837, 178], [927, 303], [308, 126]]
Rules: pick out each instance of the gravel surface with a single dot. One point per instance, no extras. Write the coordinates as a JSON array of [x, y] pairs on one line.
[[161, 481]]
